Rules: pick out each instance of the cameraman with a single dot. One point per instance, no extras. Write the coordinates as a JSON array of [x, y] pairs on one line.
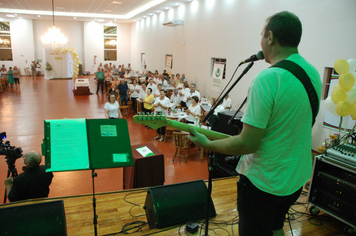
[[32, 183]]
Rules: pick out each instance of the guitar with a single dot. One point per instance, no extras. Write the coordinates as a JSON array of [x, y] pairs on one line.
[[157, 121]]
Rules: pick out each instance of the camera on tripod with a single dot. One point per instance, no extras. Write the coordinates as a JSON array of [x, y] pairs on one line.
[[11, 153]]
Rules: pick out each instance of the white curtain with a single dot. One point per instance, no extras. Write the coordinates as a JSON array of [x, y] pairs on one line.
[[62, 64]]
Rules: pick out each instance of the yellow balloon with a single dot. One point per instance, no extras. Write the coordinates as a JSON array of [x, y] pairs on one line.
[[346, 81], [353, 111], [343, 108], [338, 95], [341, 66], [337, 86]]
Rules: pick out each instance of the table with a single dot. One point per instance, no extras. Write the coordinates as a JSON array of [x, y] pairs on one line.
[[147, 171], [180, 117], [81, 83], [81, 87]]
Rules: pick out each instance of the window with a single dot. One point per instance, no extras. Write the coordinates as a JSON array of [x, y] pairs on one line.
[[218, 61], [5, 42], [110, 43]]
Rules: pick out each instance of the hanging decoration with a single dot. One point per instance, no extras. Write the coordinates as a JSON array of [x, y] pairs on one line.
[[54, 37]]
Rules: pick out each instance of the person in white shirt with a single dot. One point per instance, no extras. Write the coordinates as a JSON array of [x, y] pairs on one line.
[[180, 84], [182, 93], [157, 93], [144, 71], [135, 93], [129, 67], [152, 86], [161, 108], [112, 108], [188, 96], [227, 104], [193, 110], [184, 79], [142, 94], [175, 98]]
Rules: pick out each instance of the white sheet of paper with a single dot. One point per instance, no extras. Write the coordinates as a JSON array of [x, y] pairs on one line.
[[145, 151], [69, 145]]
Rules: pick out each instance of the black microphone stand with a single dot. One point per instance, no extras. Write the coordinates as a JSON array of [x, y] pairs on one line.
[[212, 160]]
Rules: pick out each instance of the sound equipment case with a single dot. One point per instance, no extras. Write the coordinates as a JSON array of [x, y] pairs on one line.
[[333, 190]]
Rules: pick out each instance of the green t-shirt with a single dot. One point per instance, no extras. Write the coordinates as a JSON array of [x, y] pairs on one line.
[[278, 103], [99, 75]]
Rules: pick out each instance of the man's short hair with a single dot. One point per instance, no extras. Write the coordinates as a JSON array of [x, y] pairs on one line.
[[193, 85], [286, 28]]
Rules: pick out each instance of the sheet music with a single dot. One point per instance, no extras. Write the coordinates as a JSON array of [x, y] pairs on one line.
[[69, 145]]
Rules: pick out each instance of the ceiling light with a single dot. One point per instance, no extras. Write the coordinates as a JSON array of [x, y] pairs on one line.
[[54, 37], [75, 18], [167, 8], [151, 14], [101, 20], [39, 16], [177, 4], [158, 11], [116, 2], [10, 15]]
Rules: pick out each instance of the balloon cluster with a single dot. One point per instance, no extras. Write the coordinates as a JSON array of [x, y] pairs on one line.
[[342, 101], [74, 56]]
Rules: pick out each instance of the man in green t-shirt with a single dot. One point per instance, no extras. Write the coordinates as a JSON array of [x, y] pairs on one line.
[[99, 76], [276, 137]]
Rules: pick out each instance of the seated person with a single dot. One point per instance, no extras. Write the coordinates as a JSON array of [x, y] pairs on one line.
[[227, 104], [34, 182]]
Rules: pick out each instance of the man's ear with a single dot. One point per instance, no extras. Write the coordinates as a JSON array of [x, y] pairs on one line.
[[271, 38]]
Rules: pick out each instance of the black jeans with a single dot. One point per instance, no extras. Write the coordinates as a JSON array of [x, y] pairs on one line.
[[100, 83], [261, 213]]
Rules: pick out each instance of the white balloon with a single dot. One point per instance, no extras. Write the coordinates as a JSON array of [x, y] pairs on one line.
[[352, 65], [331, 106], [351, 96]]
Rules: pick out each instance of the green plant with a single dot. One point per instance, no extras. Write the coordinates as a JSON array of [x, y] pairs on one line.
[[49, 66]]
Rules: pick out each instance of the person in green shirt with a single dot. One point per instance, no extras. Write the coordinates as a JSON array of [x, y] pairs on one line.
[[99, 76], [275, 142], [10, 77]]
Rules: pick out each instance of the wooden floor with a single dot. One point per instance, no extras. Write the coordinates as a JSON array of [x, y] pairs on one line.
[[23, 110]]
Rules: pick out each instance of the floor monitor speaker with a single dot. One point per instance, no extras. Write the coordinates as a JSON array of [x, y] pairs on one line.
[[177, 203], [38, 219]]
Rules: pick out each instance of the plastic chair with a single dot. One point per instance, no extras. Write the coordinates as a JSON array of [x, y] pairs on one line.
[[182, 145]]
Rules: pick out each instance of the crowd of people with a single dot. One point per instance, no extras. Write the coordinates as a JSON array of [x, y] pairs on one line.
[[12, 74], [151, 90]]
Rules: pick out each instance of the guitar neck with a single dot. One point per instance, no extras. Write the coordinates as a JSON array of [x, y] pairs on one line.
[[185, 127]]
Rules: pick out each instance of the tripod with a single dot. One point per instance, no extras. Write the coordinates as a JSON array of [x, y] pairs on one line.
[[11, 171]]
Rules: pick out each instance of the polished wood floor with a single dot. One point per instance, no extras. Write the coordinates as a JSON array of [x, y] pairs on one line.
[[23, 110]]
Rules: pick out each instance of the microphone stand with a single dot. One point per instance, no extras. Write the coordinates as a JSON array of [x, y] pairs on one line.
[[212, 160]]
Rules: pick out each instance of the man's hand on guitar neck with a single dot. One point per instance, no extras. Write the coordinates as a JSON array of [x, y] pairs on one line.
[[198, 138]]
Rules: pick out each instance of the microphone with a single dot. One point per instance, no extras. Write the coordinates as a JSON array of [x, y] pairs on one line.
[[256, 57]]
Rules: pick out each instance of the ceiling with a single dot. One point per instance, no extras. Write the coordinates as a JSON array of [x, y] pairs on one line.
[[123, 11]]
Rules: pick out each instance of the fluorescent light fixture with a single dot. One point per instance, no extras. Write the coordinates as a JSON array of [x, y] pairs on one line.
[[39, 15], [75, 18], [177, 4], [158, 11], [10, 15], [101, 20], [116, 2], [151, 14], [167, 8]]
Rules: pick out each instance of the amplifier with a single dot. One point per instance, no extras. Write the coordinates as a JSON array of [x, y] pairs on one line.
[[333, 189], [227, 167]]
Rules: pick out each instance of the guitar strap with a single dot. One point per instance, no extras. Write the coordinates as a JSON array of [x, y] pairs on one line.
[[303, 77]]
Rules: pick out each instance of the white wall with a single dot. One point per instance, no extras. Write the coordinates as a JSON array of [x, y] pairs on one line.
[[94, 45], [73, 30], [231, 29], [21, 31]]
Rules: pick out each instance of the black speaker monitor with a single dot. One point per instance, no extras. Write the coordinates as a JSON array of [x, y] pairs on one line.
[[38, 219], [177, 203]]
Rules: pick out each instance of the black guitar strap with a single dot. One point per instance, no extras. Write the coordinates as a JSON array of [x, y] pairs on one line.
[[303, 77]]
